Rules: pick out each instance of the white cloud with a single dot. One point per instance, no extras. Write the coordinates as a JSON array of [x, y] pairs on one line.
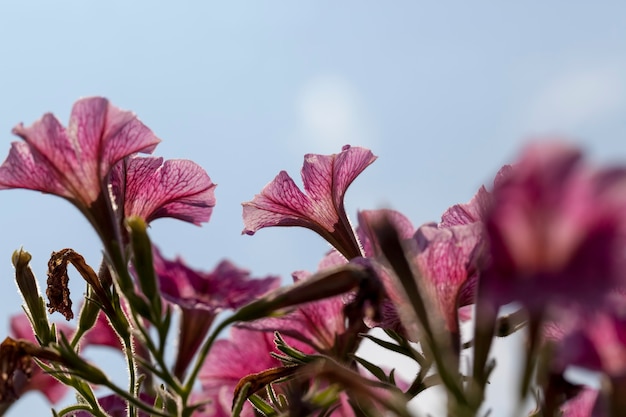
[[578, 99], [330, 114]]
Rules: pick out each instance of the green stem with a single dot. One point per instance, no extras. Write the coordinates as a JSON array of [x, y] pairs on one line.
[[81, 407], [132, 374]]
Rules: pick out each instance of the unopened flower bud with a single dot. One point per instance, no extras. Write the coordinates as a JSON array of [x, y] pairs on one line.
[[35, 304]]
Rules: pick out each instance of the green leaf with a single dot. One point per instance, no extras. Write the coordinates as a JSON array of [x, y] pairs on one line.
[[373, 369], [262, 407]]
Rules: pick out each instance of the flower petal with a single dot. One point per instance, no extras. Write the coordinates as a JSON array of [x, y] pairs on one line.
[[467, 213], [226, 287], [73, 162], [175, 188], [367, 218], [444, 256]]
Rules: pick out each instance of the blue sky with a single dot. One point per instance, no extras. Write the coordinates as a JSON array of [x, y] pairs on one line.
[[443, 93]]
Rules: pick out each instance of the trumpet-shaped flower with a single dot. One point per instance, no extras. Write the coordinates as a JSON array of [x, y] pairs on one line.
[[320, 208], [150, 188], [555, 230], [74, 162], [202, 296], [441, 253]]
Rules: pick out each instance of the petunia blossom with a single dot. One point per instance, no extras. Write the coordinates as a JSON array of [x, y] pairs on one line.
[[150, 188], [441, 252], [201, 296], [555, 230], [321, 207], [73, 162], [245, 352]]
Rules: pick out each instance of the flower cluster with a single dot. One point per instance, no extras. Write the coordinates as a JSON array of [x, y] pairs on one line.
[[545, 243]]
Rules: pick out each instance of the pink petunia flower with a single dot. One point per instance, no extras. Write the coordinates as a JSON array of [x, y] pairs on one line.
[[202, 296], [321, 208], [74, 162], [150, 188], [555, 230], [92, 164], [245, 352], [441, 252]]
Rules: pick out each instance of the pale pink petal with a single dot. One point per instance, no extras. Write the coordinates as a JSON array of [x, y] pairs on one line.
[[175, 188], [326, 179], [74, 162]]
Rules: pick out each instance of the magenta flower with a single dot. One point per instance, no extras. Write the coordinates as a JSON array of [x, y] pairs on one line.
[[53, 390], [73, 163], [321, 208], [245, 352], [441, 252], [556, 230], [150, 188], [201, 296]]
